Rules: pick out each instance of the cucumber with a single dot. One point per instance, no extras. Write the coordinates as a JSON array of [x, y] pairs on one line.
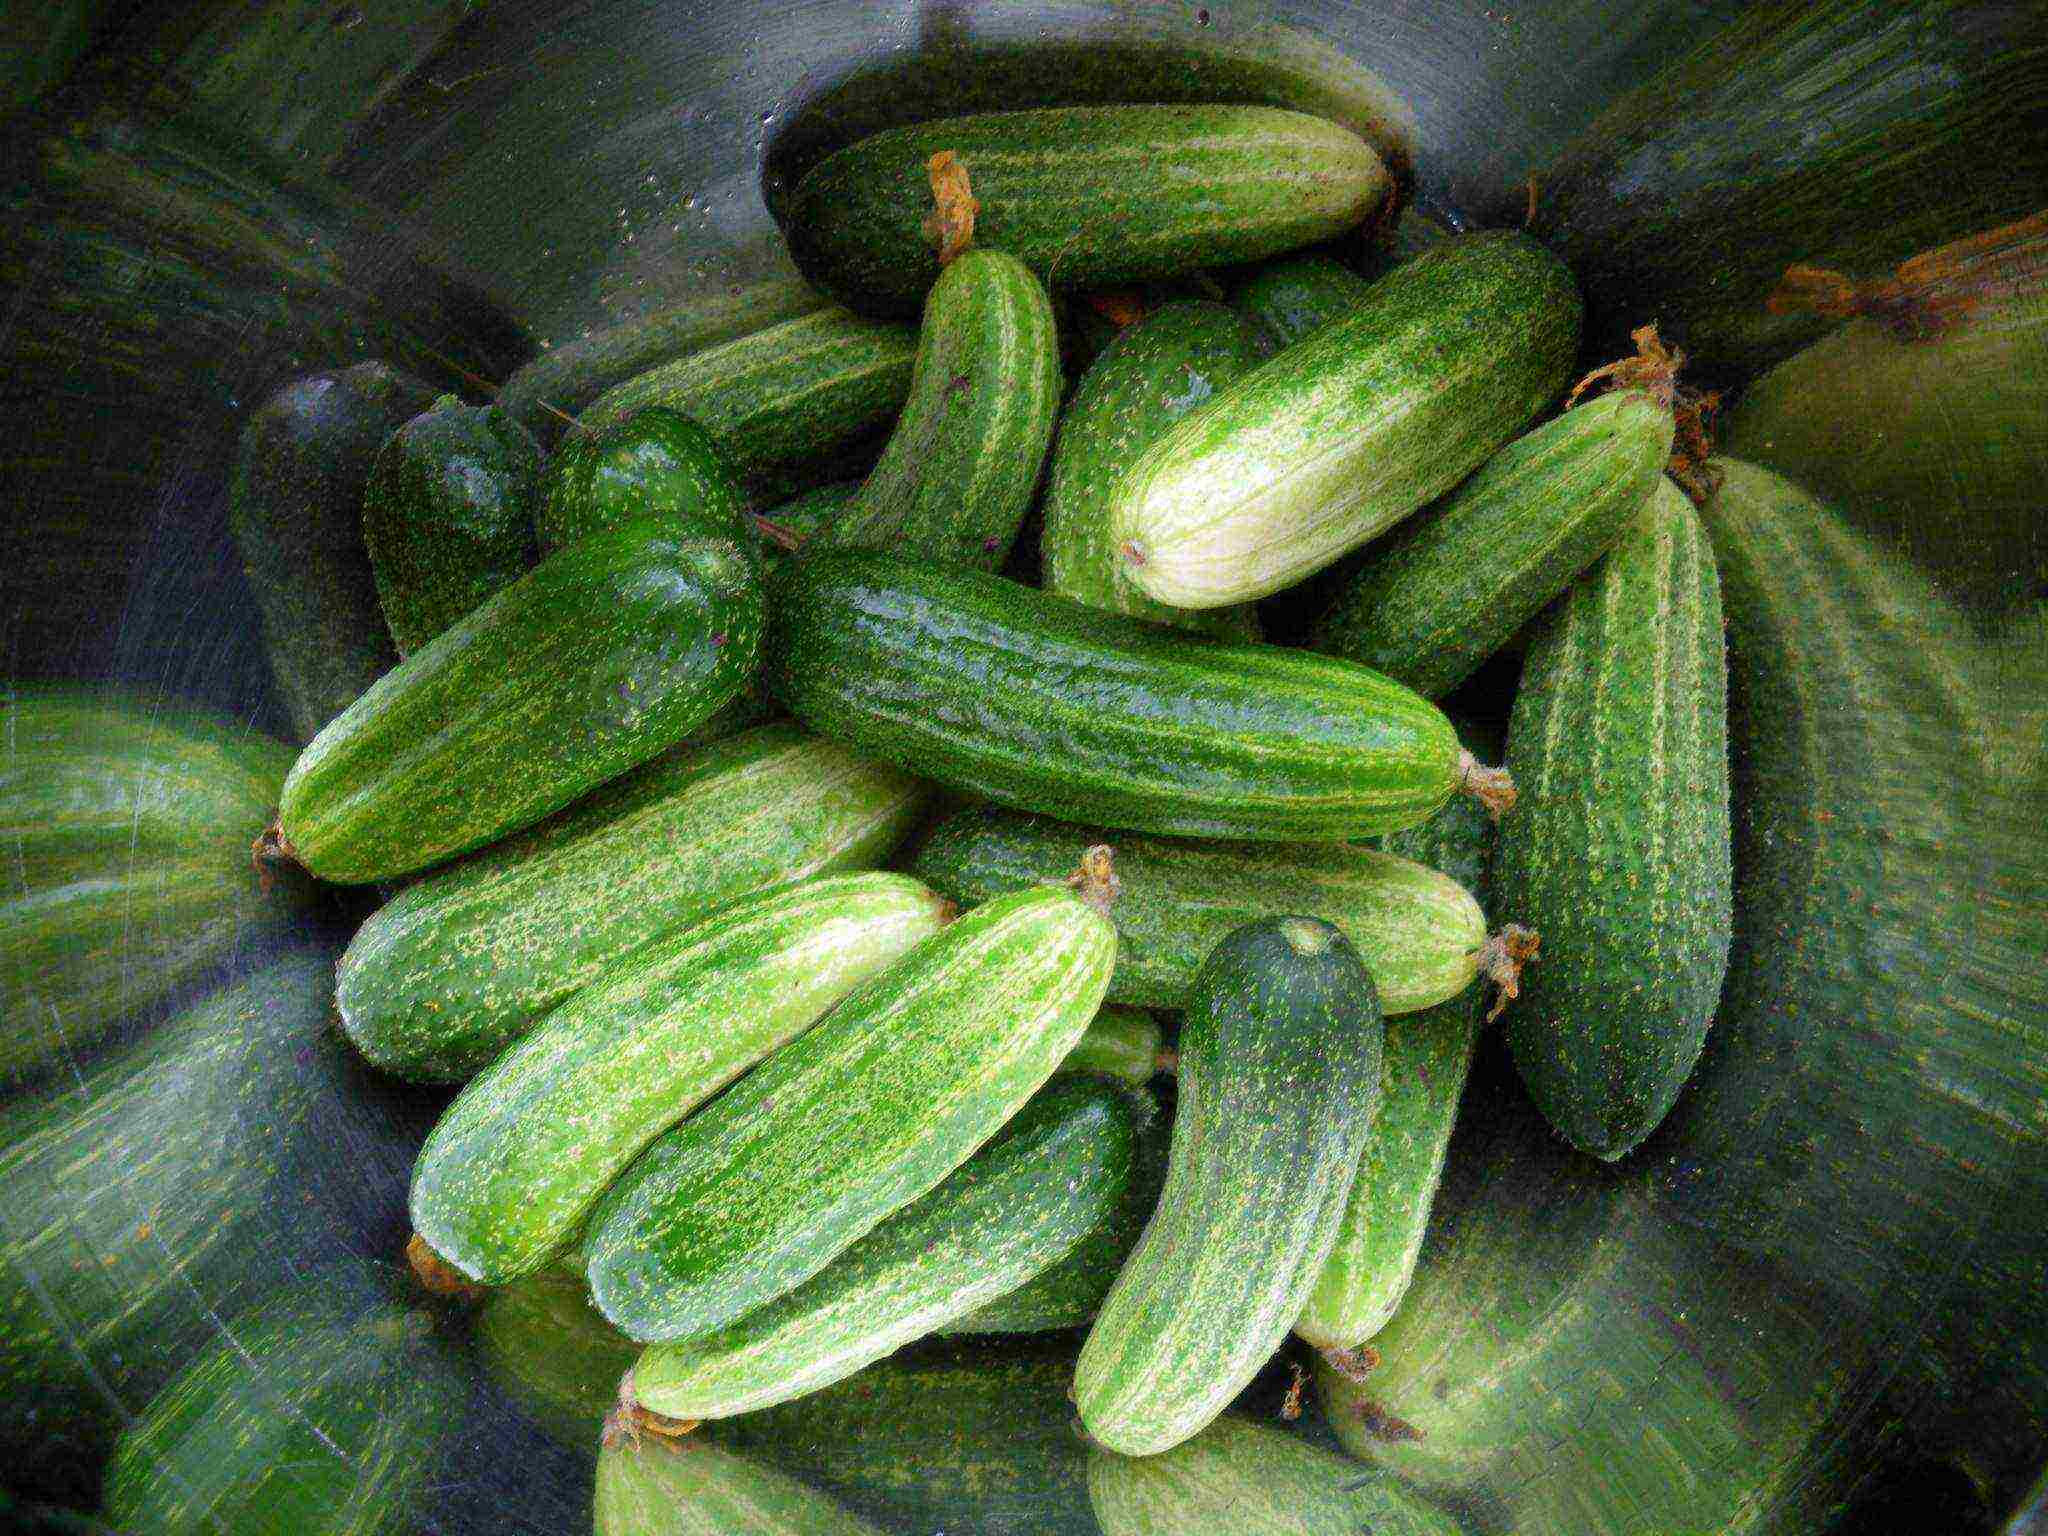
[[448, 516], [1023, 1203], [541, 1342], [1420, 931], [656, 464], [962, 467], [1288, 300], [295, 503], [601, 657], [1339, 438], [1150, 376], [1121, 1042], [1451, 587], [659, 1488], [818, 1145], [1280, 1061], [1620, 856], [812, 514], [465, 961], [1040, 703], [515, 1164], [1083, 195]]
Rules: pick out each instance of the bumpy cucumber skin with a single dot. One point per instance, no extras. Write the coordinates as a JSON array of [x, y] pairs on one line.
[[1341, 436], [850, 1122], [516, 1162], [448, 516], [599, 659], [1290, 299], [963, 465], [465, 961], [1453, 585], [655, 465], [1150, 376], [1280, 1064], [653, 1488], [1083, 195], [1618, 853], [1051, 706]]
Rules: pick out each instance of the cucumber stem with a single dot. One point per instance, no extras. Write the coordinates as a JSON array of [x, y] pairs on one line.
[[437, 1274], [1493, 788], [1929, 293], [271, 849], [1354, 1365], [950, 225], [776, 534], [1500, 961], [630, 1418], [1096, 882]]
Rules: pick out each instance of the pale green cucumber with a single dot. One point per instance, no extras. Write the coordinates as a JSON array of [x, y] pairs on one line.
[[1121, 1043], [651, 1486]]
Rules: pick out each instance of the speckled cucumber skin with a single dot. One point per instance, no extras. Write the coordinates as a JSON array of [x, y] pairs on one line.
[[602, 657], [657, 1488], [1341, 436], [1619, 851], [1048, 705], [1019, 1205], [1290, 299], [1150, 376], [505, 1180], [1083, 195], [849, 1123], [963, 465], [656, 464], [1280, 1063], [1418, 929], [462, 963]]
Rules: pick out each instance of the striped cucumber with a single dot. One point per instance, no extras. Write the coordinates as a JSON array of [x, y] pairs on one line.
[[648, 1486], [1620, 855], [1121, 1042], [517, 1161], [845, 1125], [1083, 195], [462, 963], [1150, 376], [655, 464], [1041, 703], [1280, 1061], [599, 659], [1339, 438], [1288, 300]]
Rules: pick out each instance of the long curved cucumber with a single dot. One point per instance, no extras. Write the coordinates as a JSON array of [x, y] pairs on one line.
[[654, 1488], [656, 464]]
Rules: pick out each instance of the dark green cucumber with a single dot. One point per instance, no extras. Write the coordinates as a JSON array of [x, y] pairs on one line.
[[1150, 376], [650, 1486], [1340, 437], [811, 515], [543, 1343], [1041, 703], [1280, 1062], [961, 470], [846, 1124], [448, 516], [296, 506], [1083, 195], [655, 464], [1058, 1171], [1451, 586], [1286, 301], [1121, 1043], [599, 659], [504, 1182]]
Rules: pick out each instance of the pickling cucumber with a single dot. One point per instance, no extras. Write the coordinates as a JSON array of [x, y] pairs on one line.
[[1287, 300], [655, 464], [649, 1486], [1121, 1043]]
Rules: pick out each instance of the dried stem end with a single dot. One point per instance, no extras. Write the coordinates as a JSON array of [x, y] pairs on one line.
[[271, 849], [1931, 293], [437, 1274], [1119, 306], [1096, 882], [1500, 961], [629, 1420], [1493, 788], [950, 224], [1354, 1365], [1653, 374]]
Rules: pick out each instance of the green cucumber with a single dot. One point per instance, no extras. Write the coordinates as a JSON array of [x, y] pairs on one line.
[[597, 660], [850, 1122], [448, 516], [296, 507], [465, 961], [1619, 854], [812, 514], [1121, 1042], [963, 465], [655, 464], [1280, 1062], [1150, 376], [1083, 195], [544, 1344], [505, 1180], [1340, 437], [1288, 300], [1021, 1204], [659, 1488], [1453, 585], [1041, 703], [1419, 930]]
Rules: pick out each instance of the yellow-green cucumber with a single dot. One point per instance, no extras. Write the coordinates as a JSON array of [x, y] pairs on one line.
[[1341, 436], [1287, 300], [648, 1485], [1280, 1062], [654, 465], [847, 1124], [505, 1180], [1121, 1042]]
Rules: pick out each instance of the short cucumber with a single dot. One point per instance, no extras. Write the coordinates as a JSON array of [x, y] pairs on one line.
[[1280, 1062], [848, 1123], [1287, 300], [465, 961], [655, 464], [1054, 1174], [1041, 703], [597, 660], [506, 1178], [1150, 376], [961, 470], [1450, 587], [649, 1486], [1083, 195], [1121, 1043], [1343, 435]]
